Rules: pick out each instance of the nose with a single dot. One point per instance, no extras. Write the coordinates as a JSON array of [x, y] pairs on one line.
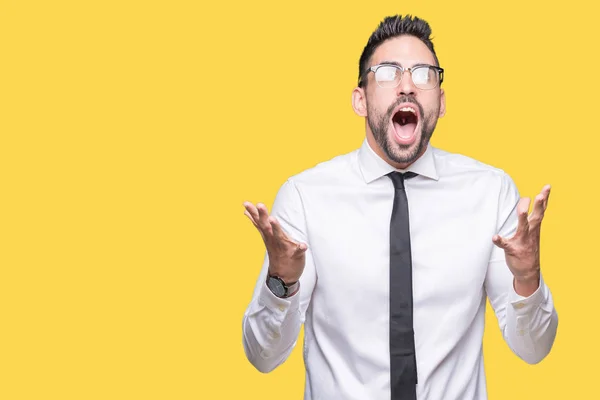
[[406, 86]]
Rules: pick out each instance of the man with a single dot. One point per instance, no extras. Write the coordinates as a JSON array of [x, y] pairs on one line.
[[387, 254]]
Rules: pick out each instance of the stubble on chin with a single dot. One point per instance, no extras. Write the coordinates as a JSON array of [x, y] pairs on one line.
[[396, 152], [382, 131]]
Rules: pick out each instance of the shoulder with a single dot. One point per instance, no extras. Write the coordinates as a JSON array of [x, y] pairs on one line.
[[451, 165], [327, 174], [336, 169], [456, 163]]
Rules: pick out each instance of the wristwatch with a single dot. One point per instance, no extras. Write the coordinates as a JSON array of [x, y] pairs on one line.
[[279, 288]]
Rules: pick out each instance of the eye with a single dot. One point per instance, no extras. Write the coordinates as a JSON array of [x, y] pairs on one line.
[[385, 74], [422, 75]]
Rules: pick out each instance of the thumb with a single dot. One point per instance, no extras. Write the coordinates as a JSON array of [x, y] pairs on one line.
[[300, 250], [500, 242]]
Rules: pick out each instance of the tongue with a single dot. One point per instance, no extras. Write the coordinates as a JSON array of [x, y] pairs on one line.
[[405, 134]]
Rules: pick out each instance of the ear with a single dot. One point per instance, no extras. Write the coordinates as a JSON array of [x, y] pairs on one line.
[[359, 101], [442, 103]]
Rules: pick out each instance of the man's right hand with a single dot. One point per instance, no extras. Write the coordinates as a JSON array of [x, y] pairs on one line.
[[286, 256]]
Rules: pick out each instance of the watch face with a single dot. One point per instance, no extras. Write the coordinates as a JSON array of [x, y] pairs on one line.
[[276, 286]]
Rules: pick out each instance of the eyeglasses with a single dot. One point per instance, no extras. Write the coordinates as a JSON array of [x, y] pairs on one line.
[[425, 77]]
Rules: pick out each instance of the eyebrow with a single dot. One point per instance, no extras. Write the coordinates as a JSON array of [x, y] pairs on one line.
[[399, 65]]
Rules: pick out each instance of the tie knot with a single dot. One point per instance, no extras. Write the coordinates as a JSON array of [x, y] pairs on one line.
[[399, 177]]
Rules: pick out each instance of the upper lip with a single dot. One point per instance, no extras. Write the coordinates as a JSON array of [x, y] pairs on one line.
[[412, 106]]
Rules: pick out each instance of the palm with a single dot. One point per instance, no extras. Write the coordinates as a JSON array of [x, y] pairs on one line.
[[522, 251], [286, 256]]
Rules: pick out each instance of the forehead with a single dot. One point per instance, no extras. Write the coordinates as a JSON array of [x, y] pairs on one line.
[[406, 50]]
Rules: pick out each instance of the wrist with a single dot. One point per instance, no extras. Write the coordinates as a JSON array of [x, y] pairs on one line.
[[280, 288], [286, 277], [527, 285]]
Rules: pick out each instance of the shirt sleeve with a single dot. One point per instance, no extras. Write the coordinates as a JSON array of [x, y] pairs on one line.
[[528, 324], [271, 325]]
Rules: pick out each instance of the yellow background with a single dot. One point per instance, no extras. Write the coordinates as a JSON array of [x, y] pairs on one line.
[[132, 131]]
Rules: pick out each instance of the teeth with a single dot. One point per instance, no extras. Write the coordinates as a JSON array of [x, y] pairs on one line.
[[408, 109]]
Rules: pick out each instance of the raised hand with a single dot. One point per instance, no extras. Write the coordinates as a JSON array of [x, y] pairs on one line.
[[522, 251], [286, 256]]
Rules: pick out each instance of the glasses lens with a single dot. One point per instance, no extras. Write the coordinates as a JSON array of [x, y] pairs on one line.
[[387, 76], [425, 77]]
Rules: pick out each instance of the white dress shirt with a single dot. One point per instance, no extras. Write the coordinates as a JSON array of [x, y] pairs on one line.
[[342, 208]]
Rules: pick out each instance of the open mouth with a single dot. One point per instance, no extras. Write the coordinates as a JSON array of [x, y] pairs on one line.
[[405, 122]]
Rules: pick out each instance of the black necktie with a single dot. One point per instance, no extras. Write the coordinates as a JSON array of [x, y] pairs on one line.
[[403, 366]]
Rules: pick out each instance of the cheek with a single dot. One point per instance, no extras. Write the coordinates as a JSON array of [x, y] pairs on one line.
[[379, 104], [431, 106]]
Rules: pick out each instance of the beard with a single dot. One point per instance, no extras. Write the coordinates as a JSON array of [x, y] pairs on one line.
[[399, 153]]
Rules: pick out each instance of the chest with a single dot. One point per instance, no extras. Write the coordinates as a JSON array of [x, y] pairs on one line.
[[450, 234]]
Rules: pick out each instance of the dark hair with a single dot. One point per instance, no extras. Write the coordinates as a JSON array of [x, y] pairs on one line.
[[391, 27]]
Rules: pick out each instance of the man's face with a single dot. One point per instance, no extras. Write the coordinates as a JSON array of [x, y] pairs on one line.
[[401, 120]]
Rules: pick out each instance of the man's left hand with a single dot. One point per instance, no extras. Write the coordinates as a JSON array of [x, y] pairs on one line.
[[522, 251]]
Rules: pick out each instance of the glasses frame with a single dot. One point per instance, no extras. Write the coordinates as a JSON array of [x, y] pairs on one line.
[[402, 69]]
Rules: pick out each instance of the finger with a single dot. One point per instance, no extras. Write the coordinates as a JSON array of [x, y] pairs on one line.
[[522, 210], [278, 231], [546, 194], [263, 220], [252, 210], [252, 213], [247, 214], [500, 242], [280, 234], [536, 216]]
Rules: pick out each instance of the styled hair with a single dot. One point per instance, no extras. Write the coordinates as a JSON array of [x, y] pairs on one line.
[[391, 27]]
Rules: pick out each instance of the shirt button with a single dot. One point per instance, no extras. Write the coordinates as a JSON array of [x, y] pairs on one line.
[[518, 306], [521, 332], [274, 335], [281, 307]]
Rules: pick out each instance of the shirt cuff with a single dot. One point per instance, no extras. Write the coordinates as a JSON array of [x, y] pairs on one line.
[[276, 304], [524, 305]]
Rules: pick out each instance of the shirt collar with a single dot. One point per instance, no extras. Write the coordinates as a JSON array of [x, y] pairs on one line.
[[373, 167]]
